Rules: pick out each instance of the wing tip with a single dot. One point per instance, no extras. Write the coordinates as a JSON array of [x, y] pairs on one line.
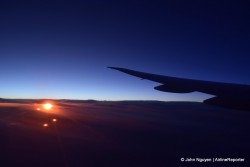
[[112, 67], [116, 68]]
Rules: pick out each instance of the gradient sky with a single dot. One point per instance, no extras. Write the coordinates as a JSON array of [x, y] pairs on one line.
[[60, 49]]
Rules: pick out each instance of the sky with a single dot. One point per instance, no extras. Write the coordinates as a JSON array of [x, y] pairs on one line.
[[61, 49]]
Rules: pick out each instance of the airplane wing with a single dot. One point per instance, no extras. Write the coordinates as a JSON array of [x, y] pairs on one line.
[[230, 95]]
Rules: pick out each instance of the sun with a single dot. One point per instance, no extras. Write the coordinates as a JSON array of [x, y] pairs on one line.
[[47, 106]]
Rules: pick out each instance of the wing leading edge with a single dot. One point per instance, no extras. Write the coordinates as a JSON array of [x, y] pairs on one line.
[[229, 95]]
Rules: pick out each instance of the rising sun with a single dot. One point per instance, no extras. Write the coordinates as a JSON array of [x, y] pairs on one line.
[[47, 106]]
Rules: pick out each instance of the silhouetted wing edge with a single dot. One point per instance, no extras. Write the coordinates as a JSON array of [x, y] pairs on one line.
[[189, 85]]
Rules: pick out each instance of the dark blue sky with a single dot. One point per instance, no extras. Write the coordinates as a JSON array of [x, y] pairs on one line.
[[60, 49]]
